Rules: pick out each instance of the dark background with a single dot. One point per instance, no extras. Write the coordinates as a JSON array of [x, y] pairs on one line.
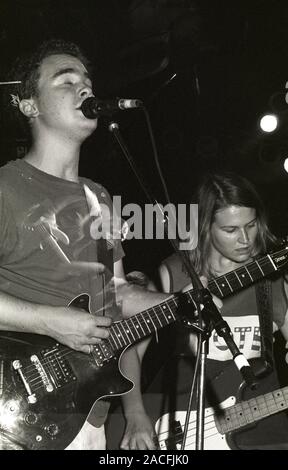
[[206, 71]]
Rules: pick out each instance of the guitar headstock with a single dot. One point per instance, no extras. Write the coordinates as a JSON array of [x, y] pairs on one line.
[[280, 254]]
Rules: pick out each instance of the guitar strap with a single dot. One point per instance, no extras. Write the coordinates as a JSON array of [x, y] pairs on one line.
[[105, 297], [265, 312]]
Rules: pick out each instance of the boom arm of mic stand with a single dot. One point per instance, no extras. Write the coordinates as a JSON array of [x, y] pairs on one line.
[[204, 297]]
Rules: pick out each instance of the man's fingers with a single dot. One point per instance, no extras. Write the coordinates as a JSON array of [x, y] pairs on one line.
[[102, 321]]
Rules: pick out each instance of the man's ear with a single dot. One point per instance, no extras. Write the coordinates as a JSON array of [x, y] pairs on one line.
[[29, 108]]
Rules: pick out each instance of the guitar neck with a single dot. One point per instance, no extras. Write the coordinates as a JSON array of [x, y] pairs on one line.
[[251, 411], [127, 332], [242, 277]]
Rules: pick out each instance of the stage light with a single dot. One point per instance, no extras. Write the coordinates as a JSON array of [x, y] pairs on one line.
[[269, 123], [286, 164]]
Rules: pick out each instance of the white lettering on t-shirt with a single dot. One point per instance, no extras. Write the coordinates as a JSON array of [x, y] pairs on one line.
[[246, 335]]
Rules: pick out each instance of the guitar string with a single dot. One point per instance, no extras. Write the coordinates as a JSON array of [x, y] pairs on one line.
[[235, 417], [252, 267], [179, 435], [139, 320], [167, 302], [153, 311], [153, 315], [191, 432], [193, 443], [172, 300], [64, 352]]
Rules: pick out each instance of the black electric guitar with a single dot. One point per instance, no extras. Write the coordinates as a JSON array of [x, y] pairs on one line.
[[47, 390]]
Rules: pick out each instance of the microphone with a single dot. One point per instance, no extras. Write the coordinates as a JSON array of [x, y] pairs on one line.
[[93, 107]]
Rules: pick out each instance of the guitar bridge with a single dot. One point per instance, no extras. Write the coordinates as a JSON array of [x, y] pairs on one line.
[[45, 373], [31, 396]]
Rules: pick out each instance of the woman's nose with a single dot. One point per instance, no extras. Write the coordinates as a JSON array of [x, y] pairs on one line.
[[243, 237]]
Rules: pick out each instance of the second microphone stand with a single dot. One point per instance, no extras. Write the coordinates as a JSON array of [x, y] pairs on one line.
[[208, 315]]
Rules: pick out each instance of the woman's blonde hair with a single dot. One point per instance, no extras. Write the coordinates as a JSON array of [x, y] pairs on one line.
[[216, 192]]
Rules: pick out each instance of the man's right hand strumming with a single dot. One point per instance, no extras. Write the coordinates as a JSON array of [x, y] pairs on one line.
[[75, 328]]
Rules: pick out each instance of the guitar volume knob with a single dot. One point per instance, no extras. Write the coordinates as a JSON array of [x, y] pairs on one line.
[[31, 418], [52, 429]]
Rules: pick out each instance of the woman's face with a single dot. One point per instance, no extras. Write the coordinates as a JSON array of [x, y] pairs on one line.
[[233, 233]]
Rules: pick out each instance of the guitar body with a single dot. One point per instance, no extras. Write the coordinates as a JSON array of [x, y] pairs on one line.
[[47, 390], [235, 412], [169, 426], [169, 429]]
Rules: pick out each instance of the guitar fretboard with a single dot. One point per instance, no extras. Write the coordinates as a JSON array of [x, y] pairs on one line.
[[139, 326], [250, 411], [242, 277], [127, 332]]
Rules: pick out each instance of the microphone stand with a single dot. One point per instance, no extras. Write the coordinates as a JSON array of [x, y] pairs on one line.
[[207, 314]]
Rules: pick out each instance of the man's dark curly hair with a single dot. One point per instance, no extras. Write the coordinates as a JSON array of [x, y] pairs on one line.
[[27, 70]]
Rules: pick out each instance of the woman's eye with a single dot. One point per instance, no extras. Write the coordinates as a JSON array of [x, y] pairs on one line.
[[229, 230]]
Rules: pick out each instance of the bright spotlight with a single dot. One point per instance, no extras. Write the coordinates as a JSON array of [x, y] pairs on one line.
[[286, 164], [269, 123]]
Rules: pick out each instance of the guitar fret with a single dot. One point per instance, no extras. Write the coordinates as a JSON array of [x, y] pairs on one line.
[[174, 301], [224, 286], [155, 327], [118, 335], [116, 339], [157, 317], [164, 313], [272, 262], [247, 410], [136, 330], [267, 263], [111, 337], [134, 339], [279, 398], [239, 416], [216, 292], [262, 405], [220, 290], [169, 315], [233, 281], [170, 307], [249, 273], [146, 324], [252, 410], [166, 319], [124, 331], [226, 278], [260, 268], [235, 272], [139, 323]]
